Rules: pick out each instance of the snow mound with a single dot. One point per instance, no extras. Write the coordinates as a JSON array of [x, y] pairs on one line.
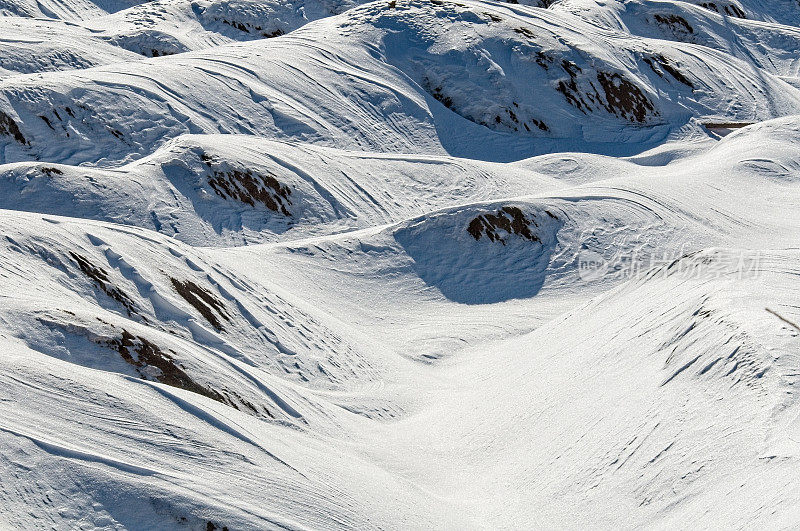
[[481, 256]]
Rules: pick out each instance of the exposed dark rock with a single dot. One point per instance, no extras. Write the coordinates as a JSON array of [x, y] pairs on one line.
[[508, 219], [203, 301], [100, 278], [620, 96], [676, 24], [47, 121], [726, 125], [142, 353], [527, 32], [735, 11], [569, 88], [623, 98], [10, 128], [728, 9], [234, 24], [253, 28], [659, 64], [248, 187], [541, 125], [508, 120], [160, 53], [544, 60], [447, 101], [50, 171], [154, 364]]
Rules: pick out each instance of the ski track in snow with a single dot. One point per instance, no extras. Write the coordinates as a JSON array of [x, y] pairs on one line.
[[399, 264]]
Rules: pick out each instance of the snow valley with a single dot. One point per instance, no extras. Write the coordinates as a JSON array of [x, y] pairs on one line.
[[403, 264]]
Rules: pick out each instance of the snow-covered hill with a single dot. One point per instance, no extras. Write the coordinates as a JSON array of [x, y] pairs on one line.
[[399, 264], [414, 78]]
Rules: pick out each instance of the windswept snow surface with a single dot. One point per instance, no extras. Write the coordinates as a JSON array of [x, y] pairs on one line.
[[402, 264]]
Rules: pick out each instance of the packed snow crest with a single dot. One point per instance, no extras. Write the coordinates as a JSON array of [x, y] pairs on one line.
[[402, 264]]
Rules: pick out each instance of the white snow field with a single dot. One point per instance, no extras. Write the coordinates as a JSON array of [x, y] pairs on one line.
[[403, 264]]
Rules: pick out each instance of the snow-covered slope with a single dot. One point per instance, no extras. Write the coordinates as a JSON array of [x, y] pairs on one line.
[[217, 189], [416, 77], [399, 264]]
